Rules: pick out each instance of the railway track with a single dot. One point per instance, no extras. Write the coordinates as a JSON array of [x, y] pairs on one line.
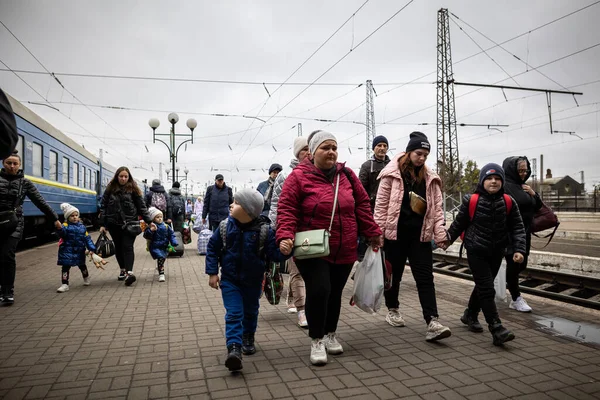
[[568, 288]]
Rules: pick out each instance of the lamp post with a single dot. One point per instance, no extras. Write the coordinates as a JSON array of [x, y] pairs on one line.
[[173, 119], [186, 172]]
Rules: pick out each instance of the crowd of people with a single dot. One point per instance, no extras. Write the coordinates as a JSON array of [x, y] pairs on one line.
[[395, 204]]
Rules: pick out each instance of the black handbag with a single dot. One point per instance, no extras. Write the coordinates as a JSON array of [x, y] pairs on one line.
[[132, 228], [105, 247], [9, 219]]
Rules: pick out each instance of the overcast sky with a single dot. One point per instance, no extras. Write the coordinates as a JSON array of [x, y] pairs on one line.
[[266, 41]]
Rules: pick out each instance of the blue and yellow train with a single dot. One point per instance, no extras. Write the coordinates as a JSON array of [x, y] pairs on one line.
[[62, 171]]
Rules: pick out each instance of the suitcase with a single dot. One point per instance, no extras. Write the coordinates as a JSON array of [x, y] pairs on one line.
[[179, 248]]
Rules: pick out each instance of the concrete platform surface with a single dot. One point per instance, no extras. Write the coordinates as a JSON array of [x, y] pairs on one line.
[[165, 340]]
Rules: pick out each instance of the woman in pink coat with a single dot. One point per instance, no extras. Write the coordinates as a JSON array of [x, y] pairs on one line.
[[306, 203], [409, 211]]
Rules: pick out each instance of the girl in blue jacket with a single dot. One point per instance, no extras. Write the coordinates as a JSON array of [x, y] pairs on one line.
[[159, 236], [74, 239]]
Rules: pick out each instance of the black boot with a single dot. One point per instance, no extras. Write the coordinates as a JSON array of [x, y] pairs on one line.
[[234, 357], [248, 344], [499, 333], [470, 319]]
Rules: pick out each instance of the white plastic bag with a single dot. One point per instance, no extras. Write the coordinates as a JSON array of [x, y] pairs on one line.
[[500, 283], [368, 282]]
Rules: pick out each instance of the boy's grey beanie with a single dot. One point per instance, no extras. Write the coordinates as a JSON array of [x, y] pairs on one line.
[[251, 201]]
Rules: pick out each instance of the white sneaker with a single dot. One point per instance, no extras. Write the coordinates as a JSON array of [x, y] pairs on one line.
[[520, 305], [63, 288], [87, 281], [318, 354], [161, 278], [394, 318], [436, 331], [292, 310], [302, 323], [332, 345]]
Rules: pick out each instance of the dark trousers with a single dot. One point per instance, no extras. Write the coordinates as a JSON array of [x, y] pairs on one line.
[[123, 248], [513, 270], [8, 263], [67, 268], [160, 265], [419, 255], [484, 267], [241, 309], [213, 225], [324, 283]]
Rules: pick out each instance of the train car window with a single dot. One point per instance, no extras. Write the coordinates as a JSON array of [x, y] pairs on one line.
[[38, 162], [89, 178], [65, 170], [75, 174], [21, 149], [53, 165], [84, 177], [93, 181]]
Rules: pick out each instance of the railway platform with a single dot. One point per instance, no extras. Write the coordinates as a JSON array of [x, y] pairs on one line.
[[165, 340]]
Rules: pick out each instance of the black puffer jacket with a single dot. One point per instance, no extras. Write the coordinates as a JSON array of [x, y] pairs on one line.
[[528, 204], [131, 204], [368, 174], [491, 227], [9, 199]]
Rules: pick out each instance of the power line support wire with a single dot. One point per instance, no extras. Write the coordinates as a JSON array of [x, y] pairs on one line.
[[370, 122]]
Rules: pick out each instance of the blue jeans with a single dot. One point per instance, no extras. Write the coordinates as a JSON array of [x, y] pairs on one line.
[[241, 306]]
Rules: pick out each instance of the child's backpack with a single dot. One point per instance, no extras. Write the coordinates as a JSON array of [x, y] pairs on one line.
[[473, 207], [159, 200], [262, 238]]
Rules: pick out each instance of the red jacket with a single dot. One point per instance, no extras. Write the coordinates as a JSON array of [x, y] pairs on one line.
[[306, 203]]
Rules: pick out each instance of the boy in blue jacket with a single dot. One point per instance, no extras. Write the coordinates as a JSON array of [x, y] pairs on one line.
[[74, 239], [159, 236], [240, 246]]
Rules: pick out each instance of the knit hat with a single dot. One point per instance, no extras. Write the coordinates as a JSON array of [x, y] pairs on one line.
[[275, 167], [299, 143], [155, 182], [251, 201], [176, 184], [418, 140], [68, 209], [491, 169], [153, 212], [318, 139], [380, 139]]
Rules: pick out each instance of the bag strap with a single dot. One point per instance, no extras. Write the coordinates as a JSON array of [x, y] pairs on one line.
[[223, 232], [549, 236], [337, 187]]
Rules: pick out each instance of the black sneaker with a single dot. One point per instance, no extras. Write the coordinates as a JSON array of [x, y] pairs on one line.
[[8, 299], [130, 279], [122, 275], [471, 321], [248, 344], [234, 357], [500, 334]]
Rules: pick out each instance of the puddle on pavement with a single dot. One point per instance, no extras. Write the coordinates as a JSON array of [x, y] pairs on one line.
[[581, 332]]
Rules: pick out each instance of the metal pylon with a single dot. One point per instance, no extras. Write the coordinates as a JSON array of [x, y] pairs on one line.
[[370, 123], [299, 129], [447, 138]]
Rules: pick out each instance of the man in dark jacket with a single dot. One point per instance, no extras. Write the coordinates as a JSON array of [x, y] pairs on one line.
[[266, 187], [158, 197], [8, 128], [216, 202], [176, 208], [370, 169]]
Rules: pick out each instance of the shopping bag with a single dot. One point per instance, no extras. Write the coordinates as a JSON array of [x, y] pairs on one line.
[[273, 283], [186, 233], [500, 282], [368, 282]]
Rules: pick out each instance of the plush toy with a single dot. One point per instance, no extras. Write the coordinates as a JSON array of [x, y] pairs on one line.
[[97, 260]]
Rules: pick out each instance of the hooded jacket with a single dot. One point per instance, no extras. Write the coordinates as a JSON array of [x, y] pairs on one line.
[[239, 258], [389, 203], [74, 240], [159, 240], [176, 208], [491, 228], [306, 203], [157, 188], [277, 188], [369, 176], [216, 203], [528, 205], [10, 198]]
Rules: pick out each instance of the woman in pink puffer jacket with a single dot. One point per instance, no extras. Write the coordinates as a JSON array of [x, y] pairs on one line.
[[409, 212]]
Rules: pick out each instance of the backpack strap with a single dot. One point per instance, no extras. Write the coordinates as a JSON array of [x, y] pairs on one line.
[[262, 239], [223, 232], [509, 203], [473, 205]]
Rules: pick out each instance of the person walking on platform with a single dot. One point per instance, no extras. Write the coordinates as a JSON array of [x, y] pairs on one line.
[[158, 197], [14, 187], [488, 218], [266, 187], [369, 171], [240, 246], [296, 287], [409, 211], [122, 206], [159, 236], [176, 212], [323, 194], [518, 171], [74, 240], [217, 200]]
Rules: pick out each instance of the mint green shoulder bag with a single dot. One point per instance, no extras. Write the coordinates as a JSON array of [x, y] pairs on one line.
[[315, 243]]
